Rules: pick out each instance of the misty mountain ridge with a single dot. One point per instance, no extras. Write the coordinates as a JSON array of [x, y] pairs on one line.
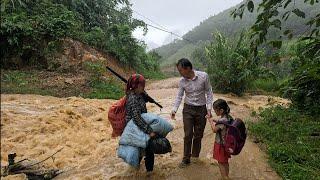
[[225, 24]]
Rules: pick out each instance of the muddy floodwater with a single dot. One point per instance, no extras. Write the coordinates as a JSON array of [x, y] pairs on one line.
[[35, 127]]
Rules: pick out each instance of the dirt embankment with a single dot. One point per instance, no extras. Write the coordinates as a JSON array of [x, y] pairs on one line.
[[36, 126], [68, 74]]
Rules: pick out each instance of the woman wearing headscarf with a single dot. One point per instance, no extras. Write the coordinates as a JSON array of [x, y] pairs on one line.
[[135, 106]]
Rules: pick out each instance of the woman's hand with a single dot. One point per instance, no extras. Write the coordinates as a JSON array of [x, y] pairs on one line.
[[152, 134], [173, 115]]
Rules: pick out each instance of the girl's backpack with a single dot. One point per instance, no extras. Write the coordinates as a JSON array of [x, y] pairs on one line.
[[116, 116], [235, 137]]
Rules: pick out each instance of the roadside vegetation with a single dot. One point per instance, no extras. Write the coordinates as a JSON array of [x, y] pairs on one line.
[[33, 34], [291, 134]]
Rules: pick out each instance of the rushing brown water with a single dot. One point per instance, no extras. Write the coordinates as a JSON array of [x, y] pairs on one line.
[[36, 126]]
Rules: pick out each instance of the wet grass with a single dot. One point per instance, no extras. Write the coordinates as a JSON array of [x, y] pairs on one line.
[[22, 82], [102, 89], [292, 140], [265, 86]]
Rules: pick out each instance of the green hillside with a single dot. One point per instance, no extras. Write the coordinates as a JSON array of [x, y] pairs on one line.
[[229, 27]]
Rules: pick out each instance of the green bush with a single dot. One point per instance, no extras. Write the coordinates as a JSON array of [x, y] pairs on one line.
[[231, 66], [31, 32], [101, 88], [303, 88], [96, 69], [96, 37], [268, 85], [27, 32], [153, 74], [293, 141], [105, 89]]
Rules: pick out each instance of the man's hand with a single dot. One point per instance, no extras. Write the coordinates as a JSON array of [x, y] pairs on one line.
[[173, 115], [209, 115], [212, 123]]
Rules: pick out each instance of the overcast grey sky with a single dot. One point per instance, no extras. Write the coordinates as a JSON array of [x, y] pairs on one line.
[[178, 16]]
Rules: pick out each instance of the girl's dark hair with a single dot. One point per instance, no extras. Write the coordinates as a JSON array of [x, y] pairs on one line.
[[184, 63], [222, 104]]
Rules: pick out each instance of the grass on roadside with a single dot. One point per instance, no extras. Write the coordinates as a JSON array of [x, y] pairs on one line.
[[105, 89], [268, 86], [292, 140], [154, 75], [96, 87], [19, 82]]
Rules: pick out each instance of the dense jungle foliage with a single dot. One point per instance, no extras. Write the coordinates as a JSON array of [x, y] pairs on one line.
[[31, 31]]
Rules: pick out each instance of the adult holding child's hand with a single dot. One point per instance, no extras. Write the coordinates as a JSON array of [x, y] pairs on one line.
[[196, 109]]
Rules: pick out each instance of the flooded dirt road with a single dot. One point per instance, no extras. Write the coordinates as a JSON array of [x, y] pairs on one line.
[[36, 126]]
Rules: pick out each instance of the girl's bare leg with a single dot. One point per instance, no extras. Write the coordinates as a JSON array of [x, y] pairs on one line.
[[224, 170]]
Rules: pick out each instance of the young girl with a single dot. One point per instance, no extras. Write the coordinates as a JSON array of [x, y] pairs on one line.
[[221, 109]]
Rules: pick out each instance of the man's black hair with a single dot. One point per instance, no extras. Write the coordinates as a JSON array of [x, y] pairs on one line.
[[184, 63]]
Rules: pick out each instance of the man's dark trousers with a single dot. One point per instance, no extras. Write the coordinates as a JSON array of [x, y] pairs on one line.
[[194, 122]]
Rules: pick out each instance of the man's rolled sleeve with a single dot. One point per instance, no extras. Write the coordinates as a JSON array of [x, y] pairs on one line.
[[209, 93]]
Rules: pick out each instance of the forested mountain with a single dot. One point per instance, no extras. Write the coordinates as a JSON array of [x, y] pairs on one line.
[[224, 23]]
